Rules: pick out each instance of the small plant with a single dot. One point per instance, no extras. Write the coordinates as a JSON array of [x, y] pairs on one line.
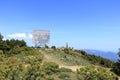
[[46, 46], [50, 78], [1, 52], [50, 68], [64, 76], [66, 50], [65, 70], [53, 47]]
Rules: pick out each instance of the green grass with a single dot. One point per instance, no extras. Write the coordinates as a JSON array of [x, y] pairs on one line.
[[38, 64], [62, 58]]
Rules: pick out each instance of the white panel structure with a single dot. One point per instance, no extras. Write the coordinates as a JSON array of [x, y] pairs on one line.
[[41, 37]]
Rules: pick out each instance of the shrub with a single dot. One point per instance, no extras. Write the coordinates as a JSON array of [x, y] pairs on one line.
[[83, 52], [96, 73], [66, 50], [1, 52], [50, 68], [65, 70], [50, 78], [33, 60], [116, 67], [64, 76], [46, 46], [53, 47], [10, 46]]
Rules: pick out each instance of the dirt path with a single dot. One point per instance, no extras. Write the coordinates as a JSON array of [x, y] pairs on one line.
[[73, 68], [48, 58]]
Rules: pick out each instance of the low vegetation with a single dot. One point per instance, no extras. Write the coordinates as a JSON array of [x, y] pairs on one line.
[[116, 66], [20, 62], [97, 60], [95, 73], [64, 58]]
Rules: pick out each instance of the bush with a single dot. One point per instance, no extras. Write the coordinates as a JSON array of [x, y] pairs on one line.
[[50, 68], [96, 73], [66, 50], [53, 47], [50, 78], [46, 46], [65, 70], [64, 76], [116, 67], [1, 52], [83, 52]]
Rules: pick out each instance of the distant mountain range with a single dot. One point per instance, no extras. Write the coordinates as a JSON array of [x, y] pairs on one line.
[[109, 55]]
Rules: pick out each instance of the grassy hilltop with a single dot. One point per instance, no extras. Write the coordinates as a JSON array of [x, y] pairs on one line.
[[19, 62]]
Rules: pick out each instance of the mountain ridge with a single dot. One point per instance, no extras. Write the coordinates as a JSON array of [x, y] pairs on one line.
[[105, 54]]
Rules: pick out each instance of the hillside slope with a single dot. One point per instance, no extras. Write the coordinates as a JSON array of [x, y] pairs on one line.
[[20, 62], [63, 59], [60, 57], [73, 59]]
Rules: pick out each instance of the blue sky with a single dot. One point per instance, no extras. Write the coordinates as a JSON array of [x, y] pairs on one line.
[[84, 24]]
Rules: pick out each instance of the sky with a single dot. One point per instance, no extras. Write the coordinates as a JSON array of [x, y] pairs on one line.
[[84, 24]]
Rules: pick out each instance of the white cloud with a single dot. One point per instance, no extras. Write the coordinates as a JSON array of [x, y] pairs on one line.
[[20, 36], [17, 35], [30, 36]]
